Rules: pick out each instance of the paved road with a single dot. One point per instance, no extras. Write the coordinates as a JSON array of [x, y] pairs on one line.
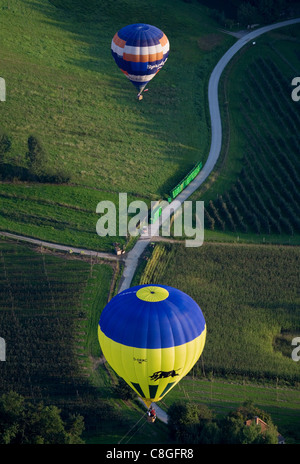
[[132, 258], [215, 148]]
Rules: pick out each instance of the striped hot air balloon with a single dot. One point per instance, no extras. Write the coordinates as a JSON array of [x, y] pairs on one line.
[[152, 335], [140, 51]]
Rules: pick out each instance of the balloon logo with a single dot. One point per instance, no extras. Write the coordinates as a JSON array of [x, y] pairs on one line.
[[152, 335], [140, 51]]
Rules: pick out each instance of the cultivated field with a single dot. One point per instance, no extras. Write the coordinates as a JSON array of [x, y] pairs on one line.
[[47, 321], [249, 298], [64, 88], [257, 189]]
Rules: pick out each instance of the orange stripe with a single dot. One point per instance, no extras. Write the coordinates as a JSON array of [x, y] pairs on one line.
[[119, 42], [163, 40], [143, 58]]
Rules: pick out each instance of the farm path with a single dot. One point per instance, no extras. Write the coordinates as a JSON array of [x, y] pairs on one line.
[[57, 246]]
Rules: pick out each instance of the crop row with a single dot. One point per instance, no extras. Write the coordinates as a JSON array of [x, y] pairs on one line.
[[156, 264], [265, 197], [40, 319], [244, 310]]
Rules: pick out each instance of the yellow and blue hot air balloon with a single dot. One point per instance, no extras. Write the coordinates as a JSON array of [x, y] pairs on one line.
[[140, 51], [152, 335]]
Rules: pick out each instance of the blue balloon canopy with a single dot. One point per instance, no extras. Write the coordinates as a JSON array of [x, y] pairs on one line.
[[140, 51], [152, 335], [162, 319]]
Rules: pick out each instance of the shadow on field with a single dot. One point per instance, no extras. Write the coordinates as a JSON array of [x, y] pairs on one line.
[[170, 125]]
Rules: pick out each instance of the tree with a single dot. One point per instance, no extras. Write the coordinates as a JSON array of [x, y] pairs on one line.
[[35, 156], [5, 146], [23, 422], [235, 430], [188, 422], [74, 428]]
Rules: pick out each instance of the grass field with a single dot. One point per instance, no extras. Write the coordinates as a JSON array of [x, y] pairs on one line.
[[64, 87]]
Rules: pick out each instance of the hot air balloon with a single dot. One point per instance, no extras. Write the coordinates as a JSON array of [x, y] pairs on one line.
[[152, 335], [140, 51]]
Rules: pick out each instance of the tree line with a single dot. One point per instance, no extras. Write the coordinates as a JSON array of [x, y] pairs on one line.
[[265, 197], [250, 12], [195, 423], [34, 164], [23, 422]]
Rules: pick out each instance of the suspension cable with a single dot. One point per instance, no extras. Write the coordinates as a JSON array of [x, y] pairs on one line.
[[142, 417]]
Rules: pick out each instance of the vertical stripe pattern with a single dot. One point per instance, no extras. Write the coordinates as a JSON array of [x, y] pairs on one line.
[[140, 51]]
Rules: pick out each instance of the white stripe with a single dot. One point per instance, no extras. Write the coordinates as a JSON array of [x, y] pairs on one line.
[[166, 48], [116, 49], [143, 50], [134, 78]]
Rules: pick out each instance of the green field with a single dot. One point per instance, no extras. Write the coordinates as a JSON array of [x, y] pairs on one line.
[[49, 310], [50, 305], [64, 87], [249, 298]]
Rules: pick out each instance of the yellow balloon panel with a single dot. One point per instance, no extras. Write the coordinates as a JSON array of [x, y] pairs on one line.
[[151, 372]]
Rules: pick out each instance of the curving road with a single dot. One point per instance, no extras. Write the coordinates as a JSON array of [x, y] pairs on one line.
[[215, 149], [131, 260], [132, 257]]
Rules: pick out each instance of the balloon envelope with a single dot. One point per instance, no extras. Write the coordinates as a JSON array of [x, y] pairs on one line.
[[140, 51], [152, 335]]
